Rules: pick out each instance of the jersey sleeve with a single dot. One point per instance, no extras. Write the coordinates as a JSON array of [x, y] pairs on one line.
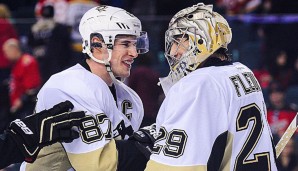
[[94, 150], [191, 122]]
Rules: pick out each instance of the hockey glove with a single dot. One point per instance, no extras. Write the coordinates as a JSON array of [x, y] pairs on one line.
[[144, 139], [45, 128]]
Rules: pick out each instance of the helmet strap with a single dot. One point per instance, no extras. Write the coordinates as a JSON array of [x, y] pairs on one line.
[[105, 62], [109, 68], [93, 58]]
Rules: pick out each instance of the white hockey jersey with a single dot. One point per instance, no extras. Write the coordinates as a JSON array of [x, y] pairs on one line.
[[214, 119], [89, 93]]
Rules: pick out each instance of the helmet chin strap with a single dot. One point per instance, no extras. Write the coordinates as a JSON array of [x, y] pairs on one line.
[[97, 60], [106, 63], [109, 68]]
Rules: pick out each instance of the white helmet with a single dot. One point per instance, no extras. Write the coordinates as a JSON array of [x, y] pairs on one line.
[[108, 22], [207, 31]]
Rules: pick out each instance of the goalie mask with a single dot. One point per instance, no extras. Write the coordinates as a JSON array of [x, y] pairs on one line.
[[199, 32], [107, 22]]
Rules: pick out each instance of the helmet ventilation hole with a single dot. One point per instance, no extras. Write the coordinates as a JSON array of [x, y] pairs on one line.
[[200, 41]]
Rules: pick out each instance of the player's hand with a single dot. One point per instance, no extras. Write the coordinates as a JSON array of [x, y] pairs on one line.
[[144, 139], [45, 128]]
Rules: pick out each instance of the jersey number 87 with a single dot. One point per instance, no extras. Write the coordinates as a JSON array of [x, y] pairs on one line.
[[92, 132]]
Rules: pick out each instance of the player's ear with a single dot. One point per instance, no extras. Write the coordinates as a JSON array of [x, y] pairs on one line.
[[96, 43]]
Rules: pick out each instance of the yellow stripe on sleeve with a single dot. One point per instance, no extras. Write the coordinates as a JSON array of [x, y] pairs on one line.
[[154, 166], [101, 159], [50, 158]]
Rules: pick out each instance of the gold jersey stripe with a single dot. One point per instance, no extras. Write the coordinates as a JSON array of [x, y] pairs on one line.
[[50, 158], [154, 166], [105, 158], [226, 161]]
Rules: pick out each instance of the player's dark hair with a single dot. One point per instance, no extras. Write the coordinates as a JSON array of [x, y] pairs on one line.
[[218, 58], [86, 56], [222, 54]]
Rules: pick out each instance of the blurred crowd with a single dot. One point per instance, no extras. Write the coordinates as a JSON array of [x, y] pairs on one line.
[[51, 42]]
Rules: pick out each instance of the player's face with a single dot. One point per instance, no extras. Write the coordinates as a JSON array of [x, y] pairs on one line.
[[123, 55], [179, 47]]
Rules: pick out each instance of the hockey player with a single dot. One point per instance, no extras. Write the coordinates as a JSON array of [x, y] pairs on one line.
[[112, 39], [214, 114], [24, 138]]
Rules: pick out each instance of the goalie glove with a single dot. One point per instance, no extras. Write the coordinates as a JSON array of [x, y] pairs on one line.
[[144, 139], [45, 128]]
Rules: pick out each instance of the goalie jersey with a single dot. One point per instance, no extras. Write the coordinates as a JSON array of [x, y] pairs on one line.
[[110, 116], [214, 119]]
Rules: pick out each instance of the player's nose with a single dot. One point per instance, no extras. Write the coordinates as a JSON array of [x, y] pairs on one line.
[[133, 52]]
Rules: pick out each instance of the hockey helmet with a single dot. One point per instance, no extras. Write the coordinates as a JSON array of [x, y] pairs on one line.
[[206, 32], [108, 22]]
